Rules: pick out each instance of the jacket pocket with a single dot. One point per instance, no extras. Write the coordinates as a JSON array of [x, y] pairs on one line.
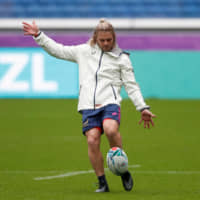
[[114, 93], [86, 95]]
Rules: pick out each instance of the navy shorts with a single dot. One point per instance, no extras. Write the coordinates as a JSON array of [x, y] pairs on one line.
[[94, 118]]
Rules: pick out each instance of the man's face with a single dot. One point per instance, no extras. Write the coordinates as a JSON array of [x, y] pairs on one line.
[[105, 40]]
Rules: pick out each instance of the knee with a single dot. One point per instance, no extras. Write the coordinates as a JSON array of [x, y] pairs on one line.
[[110, 131], [93, 141], [110, 127]]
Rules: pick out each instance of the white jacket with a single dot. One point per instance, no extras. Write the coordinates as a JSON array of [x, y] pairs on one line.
[[101, 74]]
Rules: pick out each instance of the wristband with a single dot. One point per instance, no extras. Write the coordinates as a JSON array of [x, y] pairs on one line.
[[37, 34], [148, 108]]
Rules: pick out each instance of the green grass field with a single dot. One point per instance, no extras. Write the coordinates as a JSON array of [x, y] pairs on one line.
[[43, 138]]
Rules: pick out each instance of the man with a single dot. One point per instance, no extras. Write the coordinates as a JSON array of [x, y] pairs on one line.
[[103, 69]]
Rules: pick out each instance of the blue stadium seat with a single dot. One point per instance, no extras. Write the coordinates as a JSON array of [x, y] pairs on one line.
[[99, 8]]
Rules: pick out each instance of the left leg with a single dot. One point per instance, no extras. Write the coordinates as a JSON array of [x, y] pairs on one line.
[[111, 129]]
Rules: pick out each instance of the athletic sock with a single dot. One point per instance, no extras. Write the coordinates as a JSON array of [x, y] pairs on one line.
[[102, 180]]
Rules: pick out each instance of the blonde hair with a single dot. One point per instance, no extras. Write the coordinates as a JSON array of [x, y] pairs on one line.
[[103, 25]]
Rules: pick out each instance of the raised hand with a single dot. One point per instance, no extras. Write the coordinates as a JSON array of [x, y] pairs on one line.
[[147, 116], [30, 29]]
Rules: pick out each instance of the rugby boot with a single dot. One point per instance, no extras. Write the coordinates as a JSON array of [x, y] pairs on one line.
[[127, 181], [102, 188]]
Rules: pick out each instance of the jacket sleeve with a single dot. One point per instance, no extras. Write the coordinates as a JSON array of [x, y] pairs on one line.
[[131, 87], [57, 50]]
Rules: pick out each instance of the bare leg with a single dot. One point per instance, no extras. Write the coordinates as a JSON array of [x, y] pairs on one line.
[[111, 128], [95, 156]]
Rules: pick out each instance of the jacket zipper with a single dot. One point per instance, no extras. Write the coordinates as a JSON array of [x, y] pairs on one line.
[[96, 78], [114, 92], [80, 90]]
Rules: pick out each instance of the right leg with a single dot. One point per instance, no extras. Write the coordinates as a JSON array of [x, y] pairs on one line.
[[93, 139]]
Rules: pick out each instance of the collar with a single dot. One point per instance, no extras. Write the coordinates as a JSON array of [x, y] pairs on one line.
[[115, 52]]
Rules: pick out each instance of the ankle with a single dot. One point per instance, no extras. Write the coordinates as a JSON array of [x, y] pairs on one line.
[[102, 180]]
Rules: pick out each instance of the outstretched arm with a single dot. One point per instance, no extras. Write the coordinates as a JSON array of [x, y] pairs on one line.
[[30, 29], [135, 94], [49, 45]]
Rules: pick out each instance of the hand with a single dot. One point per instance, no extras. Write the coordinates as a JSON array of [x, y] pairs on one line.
[[30, 29], [147, 116]]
